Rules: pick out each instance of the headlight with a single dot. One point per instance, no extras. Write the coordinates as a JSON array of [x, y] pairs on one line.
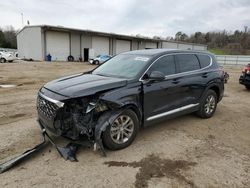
[[99, 107]]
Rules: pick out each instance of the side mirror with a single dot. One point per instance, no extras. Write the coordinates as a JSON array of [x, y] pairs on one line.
[[156, 75]]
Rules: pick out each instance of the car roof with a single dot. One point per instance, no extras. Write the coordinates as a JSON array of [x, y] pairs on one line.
[[155, 52]]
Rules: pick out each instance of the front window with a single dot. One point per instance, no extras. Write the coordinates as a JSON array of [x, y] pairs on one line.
[[165, 65], [123, 65]]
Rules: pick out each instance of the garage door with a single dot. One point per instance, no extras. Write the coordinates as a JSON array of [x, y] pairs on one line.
[[100, 45], [122, 46], [57, 45], [151, 45]]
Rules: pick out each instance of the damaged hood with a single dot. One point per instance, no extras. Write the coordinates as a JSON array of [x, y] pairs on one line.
[[84, 84]]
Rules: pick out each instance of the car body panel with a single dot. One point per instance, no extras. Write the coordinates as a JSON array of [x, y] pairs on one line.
[[84, 84]]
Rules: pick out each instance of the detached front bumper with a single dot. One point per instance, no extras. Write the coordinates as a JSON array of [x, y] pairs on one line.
[[9, 164], [68, 152]]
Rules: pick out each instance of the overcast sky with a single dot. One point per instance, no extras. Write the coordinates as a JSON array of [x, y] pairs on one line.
[[147, 17]]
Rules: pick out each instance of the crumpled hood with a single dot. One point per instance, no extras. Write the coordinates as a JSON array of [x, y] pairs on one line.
[[84, 84]]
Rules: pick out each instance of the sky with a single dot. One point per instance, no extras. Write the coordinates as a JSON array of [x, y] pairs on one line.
[[146, 17]]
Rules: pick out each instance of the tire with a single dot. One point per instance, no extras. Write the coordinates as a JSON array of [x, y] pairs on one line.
[[208, 105], [71, 58], [96, 62], [2, 60], [248, 87], [112, 142], [10, 61]]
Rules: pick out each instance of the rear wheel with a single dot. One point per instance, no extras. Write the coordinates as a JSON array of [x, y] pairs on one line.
[[2, 60], [122, 132], [208, 105]]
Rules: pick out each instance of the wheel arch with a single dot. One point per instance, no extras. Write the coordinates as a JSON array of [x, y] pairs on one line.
[[136, 110], [216, 89]]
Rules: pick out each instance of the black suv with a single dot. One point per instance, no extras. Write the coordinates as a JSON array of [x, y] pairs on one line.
[[245, 77], [109, 104]]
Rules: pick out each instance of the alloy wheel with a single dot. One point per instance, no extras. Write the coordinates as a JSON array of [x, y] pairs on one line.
[[210, 104], [122, 129]]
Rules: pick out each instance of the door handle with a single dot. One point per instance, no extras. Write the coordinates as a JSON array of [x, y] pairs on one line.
[[175, 81], [204, 75]]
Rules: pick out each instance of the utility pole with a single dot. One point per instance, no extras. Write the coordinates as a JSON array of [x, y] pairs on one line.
[[22, 19]]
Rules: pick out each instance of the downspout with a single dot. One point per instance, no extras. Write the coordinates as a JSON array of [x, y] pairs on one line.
[[45, 44]]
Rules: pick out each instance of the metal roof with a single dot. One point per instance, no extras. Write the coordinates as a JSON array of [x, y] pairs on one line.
[[86, 31]]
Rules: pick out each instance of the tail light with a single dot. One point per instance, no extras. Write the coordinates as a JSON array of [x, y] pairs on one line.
[[246, 70]]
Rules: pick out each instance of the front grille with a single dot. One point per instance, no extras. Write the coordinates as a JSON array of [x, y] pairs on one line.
[[46, 107]]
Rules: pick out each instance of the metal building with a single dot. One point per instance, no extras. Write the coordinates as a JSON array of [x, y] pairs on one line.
[[36, 42]]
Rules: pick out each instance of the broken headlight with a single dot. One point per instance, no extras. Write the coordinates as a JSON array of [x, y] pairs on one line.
[[97, 106]]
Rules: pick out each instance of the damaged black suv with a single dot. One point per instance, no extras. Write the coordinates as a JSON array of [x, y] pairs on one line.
[[109, 104]]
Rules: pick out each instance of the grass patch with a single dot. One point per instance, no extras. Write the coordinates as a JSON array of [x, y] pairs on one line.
[[217, 51]]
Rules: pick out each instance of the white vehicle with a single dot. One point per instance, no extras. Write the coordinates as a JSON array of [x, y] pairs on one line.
[[6, 57], [99, 59]]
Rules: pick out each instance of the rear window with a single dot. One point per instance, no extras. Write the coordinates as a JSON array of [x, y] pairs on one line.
[[204, 60], [187, 62]]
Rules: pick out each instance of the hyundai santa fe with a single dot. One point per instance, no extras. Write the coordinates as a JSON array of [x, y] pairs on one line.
[[109, 104]]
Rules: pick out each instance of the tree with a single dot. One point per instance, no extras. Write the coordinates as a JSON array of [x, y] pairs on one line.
[[183, 37], [8, 37], [2, 39], [178, 35]]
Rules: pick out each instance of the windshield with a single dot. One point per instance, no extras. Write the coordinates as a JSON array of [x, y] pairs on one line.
[[123, 65]]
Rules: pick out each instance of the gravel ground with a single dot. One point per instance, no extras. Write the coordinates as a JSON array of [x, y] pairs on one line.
[[183, 152]]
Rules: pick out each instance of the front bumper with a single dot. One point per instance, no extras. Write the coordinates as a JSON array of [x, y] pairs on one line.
[[48, 110]]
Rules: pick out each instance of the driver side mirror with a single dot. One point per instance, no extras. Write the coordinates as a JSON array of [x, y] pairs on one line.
[[156, 75]]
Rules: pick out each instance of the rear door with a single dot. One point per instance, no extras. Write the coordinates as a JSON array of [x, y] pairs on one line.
[[191, 78]]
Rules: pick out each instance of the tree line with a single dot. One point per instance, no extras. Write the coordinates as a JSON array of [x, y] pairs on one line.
[[236, 42], [8, 37]]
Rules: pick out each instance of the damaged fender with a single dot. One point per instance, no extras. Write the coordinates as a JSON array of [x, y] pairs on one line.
[[103, 122]]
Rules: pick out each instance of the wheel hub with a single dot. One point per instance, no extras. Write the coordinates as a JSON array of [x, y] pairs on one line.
[[122, 129], [210, 104]]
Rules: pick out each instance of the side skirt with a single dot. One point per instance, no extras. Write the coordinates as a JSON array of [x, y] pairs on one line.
[[172, 112]]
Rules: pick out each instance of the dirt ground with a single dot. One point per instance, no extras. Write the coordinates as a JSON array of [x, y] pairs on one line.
[[183, 152]]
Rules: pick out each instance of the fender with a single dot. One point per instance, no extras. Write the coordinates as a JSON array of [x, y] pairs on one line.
[[215, 84], [130, 96]]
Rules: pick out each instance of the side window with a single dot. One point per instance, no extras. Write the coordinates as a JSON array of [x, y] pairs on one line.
[[187, 62], [166, 65], [204, 60]]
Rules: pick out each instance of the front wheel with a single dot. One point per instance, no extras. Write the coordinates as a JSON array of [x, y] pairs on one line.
[[208, 105], [122, 132], [248, 87]]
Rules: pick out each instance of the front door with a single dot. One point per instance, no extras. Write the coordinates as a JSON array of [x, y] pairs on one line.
[[161, 96]]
